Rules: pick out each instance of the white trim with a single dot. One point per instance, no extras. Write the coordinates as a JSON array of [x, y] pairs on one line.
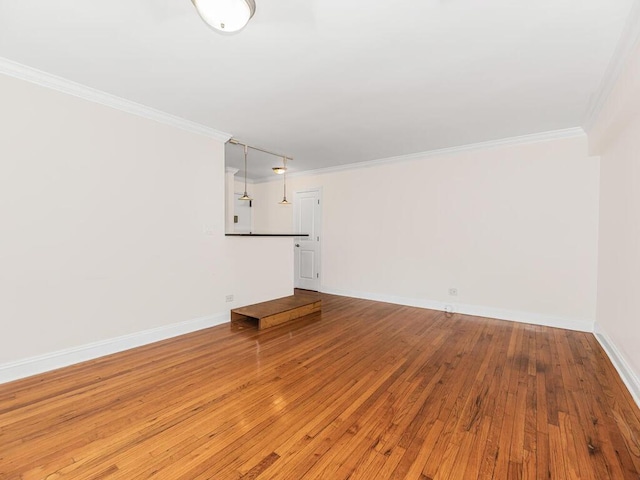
[[523, 139], [628, 40], [63, 358], [625, 371], [23, 72], [476, 310]]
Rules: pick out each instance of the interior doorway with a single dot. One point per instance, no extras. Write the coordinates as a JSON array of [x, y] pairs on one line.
[[307, 216]]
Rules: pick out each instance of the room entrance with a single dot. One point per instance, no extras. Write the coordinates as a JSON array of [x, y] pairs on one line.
[[307, 215]]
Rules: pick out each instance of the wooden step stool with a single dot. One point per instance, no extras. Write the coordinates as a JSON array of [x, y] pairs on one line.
[[279, 311]]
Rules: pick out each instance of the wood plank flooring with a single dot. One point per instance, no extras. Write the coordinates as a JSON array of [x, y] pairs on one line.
[[362, 390]]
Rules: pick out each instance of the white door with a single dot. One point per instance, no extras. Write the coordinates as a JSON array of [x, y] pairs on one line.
[[307, 205], [241, 214]]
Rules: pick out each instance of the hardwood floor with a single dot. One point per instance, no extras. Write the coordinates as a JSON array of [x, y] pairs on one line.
[[363, 390]]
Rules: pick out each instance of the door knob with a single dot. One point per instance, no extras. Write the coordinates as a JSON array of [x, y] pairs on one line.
[[297, 244]]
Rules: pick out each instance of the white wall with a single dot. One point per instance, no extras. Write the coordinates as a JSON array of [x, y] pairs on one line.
[[268, 214], [513, 228], [111, 225], [616, 137]]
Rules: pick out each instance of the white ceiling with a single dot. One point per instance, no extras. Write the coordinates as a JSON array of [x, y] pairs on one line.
[[331, 82]]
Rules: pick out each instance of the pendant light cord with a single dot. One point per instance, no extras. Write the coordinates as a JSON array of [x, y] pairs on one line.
[[245, 170], [284, 179], [245, 196], [284, 162]]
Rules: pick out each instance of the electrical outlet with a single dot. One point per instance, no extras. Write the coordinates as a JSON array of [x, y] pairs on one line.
[[229, 298], [453, 292]]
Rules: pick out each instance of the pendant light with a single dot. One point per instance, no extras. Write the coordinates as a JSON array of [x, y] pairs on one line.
[[226, 16], [245, 196], [284, 177]]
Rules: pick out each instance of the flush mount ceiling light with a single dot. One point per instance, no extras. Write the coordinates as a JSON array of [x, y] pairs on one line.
[[226, 16], [279, 170]]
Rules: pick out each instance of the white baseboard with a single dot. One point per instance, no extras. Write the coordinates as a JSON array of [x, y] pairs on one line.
[[476, 310], [627, 374], [63, 358]]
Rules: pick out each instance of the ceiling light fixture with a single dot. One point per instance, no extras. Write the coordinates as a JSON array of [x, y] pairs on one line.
[[226, 16], [279, 170], [284, 198], [245, 196]]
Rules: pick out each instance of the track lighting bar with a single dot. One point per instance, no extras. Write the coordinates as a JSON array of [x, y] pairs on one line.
[[236, 142]]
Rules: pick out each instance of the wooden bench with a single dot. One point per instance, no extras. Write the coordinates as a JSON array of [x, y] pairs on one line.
[[278, 311]]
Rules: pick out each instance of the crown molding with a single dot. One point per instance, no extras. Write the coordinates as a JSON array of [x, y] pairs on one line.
[[628, 40], [510, 141], [44, 79]]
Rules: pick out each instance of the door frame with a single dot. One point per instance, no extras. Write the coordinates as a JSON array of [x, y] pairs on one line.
[[319, 207]]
